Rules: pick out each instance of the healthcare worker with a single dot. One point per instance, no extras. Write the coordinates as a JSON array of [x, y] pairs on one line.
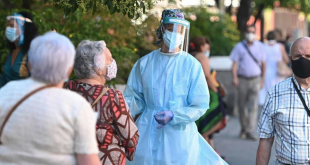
[[20, 31], [168, 91]]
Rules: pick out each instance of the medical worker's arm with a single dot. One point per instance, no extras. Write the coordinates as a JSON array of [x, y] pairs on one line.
[[197, 99], [133, 93]]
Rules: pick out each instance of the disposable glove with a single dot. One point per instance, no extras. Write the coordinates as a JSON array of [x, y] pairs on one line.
[[163, 118]]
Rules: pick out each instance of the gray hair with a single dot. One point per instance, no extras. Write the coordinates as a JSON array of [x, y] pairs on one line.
[[88, 58], [51, 56]]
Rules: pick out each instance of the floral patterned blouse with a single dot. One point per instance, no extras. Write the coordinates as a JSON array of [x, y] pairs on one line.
[[117, 134]]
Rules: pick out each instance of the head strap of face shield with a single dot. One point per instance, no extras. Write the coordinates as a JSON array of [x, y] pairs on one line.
[[176, 21], [19, 17]]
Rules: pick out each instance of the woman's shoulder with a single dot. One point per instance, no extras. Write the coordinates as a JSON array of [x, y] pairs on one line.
[[114, 93], [70, 85], [199, 55]]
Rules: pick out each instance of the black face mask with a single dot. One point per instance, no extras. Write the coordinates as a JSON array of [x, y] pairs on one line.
[[301, 67]]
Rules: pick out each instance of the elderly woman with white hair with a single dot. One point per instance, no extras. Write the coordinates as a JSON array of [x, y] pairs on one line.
[[41, 123], [117, 134]]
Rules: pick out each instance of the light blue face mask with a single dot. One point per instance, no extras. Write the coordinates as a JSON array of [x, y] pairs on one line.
[[10, 34], [172, 39], [207, 53]]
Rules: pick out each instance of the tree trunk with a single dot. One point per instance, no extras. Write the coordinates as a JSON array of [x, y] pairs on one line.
[[259, 13], [262, 25], [244, 12]]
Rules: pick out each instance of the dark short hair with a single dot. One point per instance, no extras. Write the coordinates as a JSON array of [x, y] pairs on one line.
[[196, 43], [271, 35], [249, 26]]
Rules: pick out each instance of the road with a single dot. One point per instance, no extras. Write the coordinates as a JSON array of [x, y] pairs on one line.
[[235, 150]]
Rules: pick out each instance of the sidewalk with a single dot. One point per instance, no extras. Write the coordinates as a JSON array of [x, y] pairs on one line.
[[235, 150]]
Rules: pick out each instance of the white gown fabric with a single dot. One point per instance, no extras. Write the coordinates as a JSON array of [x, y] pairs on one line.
[[176, 83], [273, 56]]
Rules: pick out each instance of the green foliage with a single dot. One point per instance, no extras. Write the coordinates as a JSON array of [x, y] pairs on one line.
[[301, 5], [116, 30], [130, 8], [220, 29]]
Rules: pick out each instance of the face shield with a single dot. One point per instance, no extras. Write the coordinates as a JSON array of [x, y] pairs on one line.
[[175, 34], [15, 28]]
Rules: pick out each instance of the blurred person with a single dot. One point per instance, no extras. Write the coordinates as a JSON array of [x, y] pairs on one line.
[[275, 54], [288, 40], [281, 38], [167, 91], [214, 119], [117, 134], [50, 125], [285, 117], [20, 31], [248, 72]]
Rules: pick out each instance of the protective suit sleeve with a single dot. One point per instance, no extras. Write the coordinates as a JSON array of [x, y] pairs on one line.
[[197, 99], [133, 93]]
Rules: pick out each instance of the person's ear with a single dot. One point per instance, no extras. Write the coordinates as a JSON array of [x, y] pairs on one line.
[[290, 57]]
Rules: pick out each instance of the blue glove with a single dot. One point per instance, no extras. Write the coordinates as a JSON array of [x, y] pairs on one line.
[[163, 118]]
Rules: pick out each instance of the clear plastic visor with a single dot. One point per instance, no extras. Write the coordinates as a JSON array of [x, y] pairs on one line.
[[14, 29], [175, 37]]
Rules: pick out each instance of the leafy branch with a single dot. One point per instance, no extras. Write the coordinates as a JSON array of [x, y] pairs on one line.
[[130, 8]]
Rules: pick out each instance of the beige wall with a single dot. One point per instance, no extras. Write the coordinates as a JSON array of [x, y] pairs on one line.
[[292, 22]]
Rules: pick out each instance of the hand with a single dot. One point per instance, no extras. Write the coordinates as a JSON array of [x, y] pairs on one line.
[[236, 82], [163, 118], [214, 89], [262, 82]]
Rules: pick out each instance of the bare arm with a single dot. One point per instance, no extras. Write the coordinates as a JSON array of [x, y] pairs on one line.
[[284, 55], [264, 151], [87, 159], [263, 68], [234, 73], [206, 69]]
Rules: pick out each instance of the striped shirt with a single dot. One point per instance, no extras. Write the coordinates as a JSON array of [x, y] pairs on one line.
[[285, 117]]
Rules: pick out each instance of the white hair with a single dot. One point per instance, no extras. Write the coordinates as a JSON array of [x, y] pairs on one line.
[[88, 58], [51, 56]]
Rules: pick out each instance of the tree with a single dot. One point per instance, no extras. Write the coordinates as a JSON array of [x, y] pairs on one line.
[[126, 41], [131, 8], [247, 7], [220, 29]]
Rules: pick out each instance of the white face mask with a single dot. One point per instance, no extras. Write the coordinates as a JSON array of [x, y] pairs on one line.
[[170, 42], [111, 70], [250, 37], [207, 53]]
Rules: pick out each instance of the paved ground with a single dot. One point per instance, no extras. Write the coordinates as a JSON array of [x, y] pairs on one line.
[[237, 151]]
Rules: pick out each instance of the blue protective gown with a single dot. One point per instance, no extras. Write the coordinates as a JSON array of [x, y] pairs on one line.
[[177, 83]]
